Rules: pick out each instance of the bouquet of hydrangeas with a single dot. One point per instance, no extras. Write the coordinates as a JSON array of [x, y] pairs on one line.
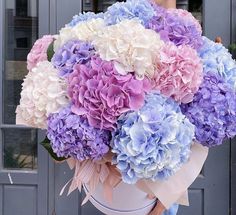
[[125, 95]]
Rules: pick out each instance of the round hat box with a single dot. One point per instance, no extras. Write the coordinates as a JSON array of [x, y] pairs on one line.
[[127, 200]]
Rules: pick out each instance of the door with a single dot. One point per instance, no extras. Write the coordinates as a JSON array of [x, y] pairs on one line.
[[23, 165], [210, 193]]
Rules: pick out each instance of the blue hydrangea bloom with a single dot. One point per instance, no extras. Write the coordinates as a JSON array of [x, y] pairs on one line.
[[154, 142], [82, 17], [141, 9], [216, 58]]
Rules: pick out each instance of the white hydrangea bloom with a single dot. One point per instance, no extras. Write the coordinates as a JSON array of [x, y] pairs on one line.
[[43, 92], [65, 34], [133, 47], [84, 31]]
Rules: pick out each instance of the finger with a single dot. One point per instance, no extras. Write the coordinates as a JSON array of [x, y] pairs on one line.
[[167, 3], [158, 209], [151, 196], [156, 212], [160, 206]]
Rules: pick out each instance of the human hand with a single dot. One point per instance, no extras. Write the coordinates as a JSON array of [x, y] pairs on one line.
[[159, 207], [166, 3]]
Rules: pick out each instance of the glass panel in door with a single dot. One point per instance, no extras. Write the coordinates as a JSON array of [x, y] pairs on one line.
[[20, 33]]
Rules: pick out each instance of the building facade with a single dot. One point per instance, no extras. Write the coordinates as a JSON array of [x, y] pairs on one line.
[[30, 182]]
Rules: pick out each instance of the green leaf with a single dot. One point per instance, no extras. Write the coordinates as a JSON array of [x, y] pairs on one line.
[[50, 51], [46, 144], [232, 47]]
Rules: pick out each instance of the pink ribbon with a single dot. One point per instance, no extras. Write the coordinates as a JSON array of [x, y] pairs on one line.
[[168, 191], [92, 173]]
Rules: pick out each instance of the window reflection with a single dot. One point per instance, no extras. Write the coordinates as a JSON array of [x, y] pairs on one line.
[[21, 31], [20, 150], [195, 7], [97, 5]]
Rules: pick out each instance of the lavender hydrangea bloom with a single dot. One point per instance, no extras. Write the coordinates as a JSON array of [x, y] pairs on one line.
[[72, 53], [216, 58], [154, 142], [71, 136], [213, 111], [83, 17], [177, 29], [141, 9]]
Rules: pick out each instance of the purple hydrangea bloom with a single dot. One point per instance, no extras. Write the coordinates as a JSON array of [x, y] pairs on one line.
[[83, 17], [98, 91], [153, 142], [213, 111], [178, 29], [71, 136], [72, 53]]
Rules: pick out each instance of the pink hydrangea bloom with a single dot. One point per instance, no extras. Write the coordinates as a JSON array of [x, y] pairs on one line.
[[38, 52], [179, 72], [100, 93]]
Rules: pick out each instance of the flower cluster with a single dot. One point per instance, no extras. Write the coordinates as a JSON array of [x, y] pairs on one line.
[[213, 111], [187, 16], [216, 58], [98, 91], [140, 72], [84, 31], [71, 136], [140, 9], [154, 142], [133, 47], [72, 53], [84, 17], [43, 92], [38, 52], [176, 28], [179, 72]]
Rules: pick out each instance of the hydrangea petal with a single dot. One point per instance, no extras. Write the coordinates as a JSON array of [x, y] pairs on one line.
[[216, 58], [144, 153], [43, 93], [213, 115], [134, 47], [97, 90], [71, 136]]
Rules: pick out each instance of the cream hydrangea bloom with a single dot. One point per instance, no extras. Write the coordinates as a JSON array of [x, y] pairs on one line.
[[82, 31], [133, 47], [43, 92], [65, 34]]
